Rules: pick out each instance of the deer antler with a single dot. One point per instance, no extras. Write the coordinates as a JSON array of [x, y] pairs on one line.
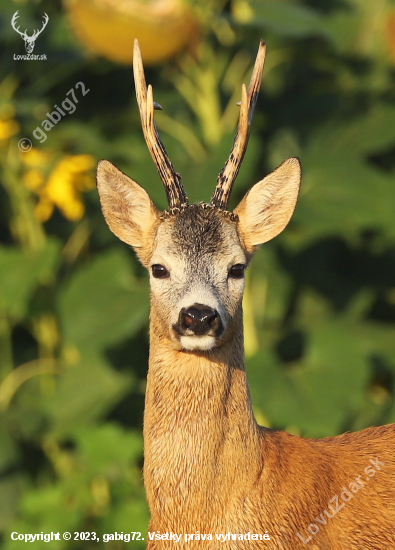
[[13, 23], [175, 193], [36, 33], [229, 172]]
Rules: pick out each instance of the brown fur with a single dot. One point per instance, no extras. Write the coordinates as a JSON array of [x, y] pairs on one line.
[[209, 468]]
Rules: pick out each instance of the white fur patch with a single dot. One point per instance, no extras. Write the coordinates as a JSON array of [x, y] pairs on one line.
[[197, 342]]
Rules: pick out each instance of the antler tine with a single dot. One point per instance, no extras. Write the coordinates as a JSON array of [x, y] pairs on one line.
[[175, 193], [229, 172], [37, 32], [13, 23]]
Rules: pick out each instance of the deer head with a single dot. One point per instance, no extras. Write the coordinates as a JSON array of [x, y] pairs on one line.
[[29, 40], [197, 254]]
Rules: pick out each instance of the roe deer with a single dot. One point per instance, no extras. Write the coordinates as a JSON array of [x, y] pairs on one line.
[[212, 475]]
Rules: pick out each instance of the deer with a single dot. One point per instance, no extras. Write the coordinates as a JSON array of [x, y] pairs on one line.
[[213, 476], [29, 40]]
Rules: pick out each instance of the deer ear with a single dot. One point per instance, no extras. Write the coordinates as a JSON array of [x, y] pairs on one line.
[[127, 208], [267, 208]]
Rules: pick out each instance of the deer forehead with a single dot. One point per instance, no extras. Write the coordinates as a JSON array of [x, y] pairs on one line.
[[198, 238]]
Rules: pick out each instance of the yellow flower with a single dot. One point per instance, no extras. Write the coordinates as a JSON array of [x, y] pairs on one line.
[[35, 158], [109, 27], [33, 179], [8, 125], [63, 188], [77, 163], [8, 128], [69, 178], [43, 210]]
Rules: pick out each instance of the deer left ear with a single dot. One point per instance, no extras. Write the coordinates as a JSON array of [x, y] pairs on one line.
[[267, 208]]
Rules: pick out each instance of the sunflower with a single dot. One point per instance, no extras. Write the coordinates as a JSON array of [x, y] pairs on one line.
[[109, 27]]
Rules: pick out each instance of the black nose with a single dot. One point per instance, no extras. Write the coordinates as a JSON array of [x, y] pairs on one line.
[[199, 319]]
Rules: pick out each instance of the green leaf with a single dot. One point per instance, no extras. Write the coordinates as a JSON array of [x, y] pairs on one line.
[[45, 509], [129, 515], [103, 303], [86, 391], [107, 448], [20, 274], [342, 192], [322, 392], [288, 18], [10, 490], [8, 452]]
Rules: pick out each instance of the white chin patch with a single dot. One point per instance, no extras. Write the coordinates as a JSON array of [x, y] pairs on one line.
[[197, 342]]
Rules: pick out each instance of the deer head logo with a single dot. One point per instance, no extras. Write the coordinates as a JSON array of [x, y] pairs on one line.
[[29, 40]]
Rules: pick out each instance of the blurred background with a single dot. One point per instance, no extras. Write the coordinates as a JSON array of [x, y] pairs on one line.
[[320, 299]]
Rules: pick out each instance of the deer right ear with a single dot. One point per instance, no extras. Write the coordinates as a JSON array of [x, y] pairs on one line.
[[127, 208], [267, 208]]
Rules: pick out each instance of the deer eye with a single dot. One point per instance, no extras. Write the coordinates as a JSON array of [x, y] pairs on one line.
[[159, 271], [237, 271]]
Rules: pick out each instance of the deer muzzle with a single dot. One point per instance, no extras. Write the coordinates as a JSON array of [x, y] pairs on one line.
[[199, 320]]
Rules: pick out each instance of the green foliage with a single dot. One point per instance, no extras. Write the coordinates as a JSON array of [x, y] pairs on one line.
[[320, 299], [106, 284], [20, 274]]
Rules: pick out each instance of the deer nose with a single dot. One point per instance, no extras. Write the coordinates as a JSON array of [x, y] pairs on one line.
[[199, 319]]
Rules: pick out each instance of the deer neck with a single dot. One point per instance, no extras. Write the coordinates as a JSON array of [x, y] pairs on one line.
[[199, 430]]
